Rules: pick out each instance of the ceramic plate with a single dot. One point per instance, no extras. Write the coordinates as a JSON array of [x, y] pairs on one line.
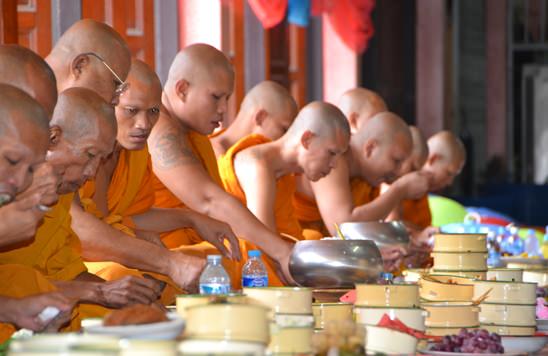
[[529, 344], [166, 330]]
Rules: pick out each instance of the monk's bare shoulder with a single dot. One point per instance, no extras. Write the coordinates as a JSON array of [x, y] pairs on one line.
[[169, 145], [253, 162]]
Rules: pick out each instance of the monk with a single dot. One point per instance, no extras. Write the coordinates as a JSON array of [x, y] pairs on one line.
[[82, 133], [268, 109], [446, 158], [359, 105], [259, 171], [121, 195], [92, 55], [374, 156], [196, 93], [23, 145]]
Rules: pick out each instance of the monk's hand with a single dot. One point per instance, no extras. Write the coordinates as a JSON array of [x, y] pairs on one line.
[[392, 257], [150, 236], [45, 181], [414, 185], [185, 270], [282, 263], [20, 220], [25, 312], [216, 233], [129, 290]]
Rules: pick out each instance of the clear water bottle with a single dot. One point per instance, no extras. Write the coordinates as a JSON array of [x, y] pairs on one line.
[[531, 244], [214, 279], [254, 272]]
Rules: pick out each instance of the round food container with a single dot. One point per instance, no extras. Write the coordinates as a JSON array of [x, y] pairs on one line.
[[448, 289], [389, 341], [446, 331], [412, 317], [451, 315], [413, 275], [324, 313], [221, 347], [507, 292], [460, 243], [481, 274], [389, 295], [233, 322], [540, 277], [460, 261], [184, 301], [147, 347], [282, 300], [290, 340], [505, 330], [505, 274], [508, 314]]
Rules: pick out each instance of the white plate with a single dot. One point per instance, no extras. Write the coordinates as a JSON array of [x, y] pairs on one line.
[[166, 330], [522, 344], [542, 324]]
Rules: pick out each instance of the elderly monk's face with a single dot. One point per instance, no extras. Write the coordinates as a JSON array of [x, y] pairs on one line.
[[322, 154], [77, 160], [136, 114], [206, 101], [21, 151], [385, 160]]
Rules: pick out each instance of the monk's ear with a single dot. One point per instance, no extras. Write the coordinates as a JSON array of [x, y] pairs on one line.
[[306, 138], [181, 89], [353, 120], [78, 64], [433, 158], [55, 133], [260, 117], [369, 146]]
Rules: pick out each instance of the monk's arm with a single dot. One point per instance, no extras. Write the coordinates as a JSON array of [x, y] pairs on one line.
[[173, 158], [163, 220], [259, 186]]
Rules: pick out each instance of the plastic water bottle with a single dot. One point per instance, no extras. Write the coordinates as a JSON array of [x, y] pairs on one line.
[[544, 248], [531, 244], [254, 272], [214, 279]]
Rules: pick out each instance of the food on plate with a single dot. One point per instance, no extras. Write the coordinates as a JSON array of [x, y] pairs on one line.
[[134, 315], [470, 341]]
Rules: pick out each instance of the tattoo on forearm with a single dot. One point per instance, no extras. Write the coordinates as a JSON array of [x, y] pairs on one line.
[[170, 151]]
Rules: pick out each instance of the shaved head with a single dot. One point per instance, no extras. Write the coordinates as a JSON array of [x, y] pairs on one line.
[[199, 84], [139, 107], [446, 158], [320, 118], [382, 143], [23, 140], [83, 132], [77, 58], [24, 69], [359, 105]]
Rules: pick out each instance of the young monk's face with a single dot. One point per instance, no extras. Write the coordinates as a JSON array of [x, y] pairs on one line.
[[385, 160], [136, 114], [206, 100], [274, 126], [443, 173], [322, 154], [20, 152], [77, 160]]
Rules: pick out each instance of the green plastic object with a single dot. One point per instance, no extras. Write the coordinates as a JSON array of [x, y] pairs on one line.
[[445, 211]]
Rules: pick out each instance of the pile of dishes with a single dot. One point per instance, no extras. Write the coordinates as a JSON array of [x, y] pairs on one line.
[[331, 313], [460, 254], [398, 301], [291, 322], [510, 307]]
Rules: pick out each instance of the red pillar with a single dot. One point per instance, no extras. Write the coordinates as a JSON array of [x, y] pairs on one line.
[[430, 85]]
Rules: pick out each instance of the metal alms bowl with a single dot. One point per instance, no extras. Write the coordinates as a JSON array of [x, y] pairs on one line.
[[335, 263], [390, 233]]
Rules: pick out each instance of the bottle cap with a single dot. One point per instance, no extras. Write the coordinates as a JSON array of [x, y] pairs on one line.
[[214, 258], [254, 253]]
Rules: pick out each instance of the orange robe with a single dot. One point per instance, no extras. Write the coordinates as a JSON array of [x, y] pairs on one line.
[[283, 209], [130, 192], [417, 212], [165, 199], [309, 215]]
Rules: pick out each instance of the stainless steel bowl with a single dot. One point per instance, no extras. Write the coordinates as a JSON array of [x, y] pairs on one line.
[[383, 233], [335, 263]]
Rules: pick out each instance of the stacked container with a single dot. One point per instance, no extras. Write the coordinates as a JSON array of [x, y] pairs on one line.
[[462, 255], [291, 320], [510, 307]]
